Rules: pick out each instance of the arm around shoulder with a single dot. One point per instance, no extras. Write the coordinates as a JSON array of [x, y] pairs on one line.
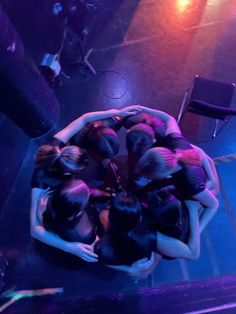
[[40, 233], [210, 203], [75, 126], [177, 249], [170, 121]]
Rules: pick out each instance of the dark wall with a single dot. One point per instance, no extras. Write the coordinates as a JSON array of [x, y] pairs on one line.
[[13, 145], [38, 31], [28, 107]]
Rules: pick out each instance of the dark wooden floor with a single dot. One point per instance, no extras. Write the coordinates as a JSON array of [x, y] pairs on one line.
[[156, 47]]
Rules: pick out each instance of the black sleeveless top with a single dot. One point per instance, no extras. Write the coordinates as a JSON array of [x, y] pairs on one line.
[[68, 230]]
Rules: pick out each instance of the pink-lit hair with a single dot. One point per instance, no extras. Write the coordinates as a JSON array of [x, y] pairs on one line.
[[159, 161]]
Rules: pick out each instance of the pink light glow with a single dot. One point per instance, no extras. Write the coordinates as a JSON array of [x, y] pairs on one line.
[[183, 5]]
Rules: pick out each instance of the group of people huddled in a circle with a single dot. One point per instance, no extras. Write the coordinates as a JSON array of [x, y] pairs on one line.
[[84, 205]]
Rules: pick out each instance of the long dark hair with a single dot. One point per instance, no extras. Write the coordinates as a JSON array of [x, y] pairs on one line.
[[167, 214], [125, 212], [126, 240]]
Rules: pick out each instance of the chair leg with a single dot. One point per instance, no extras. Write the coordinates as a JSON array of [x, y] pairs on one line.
[[215, 128], [218, 130], [181, 111], [186, 94]]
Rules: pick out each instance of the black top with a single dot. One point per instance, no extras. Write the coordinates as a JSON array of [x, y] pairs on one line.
[[191, 179], [69, 230], [125, 249], [178, 229], [174, 226]]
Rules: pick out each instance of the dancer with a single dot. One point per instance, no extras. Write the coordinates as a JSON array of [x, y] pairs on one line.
[[181, 161], [58, 219], [129, 236], [57, 162]]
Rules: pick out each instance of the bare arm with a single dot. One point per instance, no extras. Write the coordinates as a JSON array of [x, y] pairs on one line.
[[141, 268], [84, 251], [171, 123], [76, 125], [207, 199], [169, 246], [177, 249]]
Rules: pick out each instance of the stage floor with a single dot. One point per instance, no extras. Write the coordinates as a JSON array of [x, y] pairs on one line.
[[152, 49]]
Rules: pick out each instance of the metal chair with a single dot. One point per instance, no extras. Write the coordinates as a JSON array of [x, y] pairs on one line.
[[210, 98]]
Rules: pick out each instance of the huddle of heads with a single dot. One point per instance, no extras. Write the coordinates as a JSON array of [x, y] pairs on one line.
[[155, 162], [162, 207], [101, 140], [71, 197]]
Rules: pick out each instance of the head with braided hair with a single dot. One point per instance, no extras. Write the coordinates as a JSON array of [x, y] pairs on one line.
[[67, 159], [160, 162]]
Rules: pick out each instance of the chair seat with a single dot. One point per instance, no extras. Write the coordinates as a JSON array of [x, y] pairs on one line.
[[209, 98], [208, 110]]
